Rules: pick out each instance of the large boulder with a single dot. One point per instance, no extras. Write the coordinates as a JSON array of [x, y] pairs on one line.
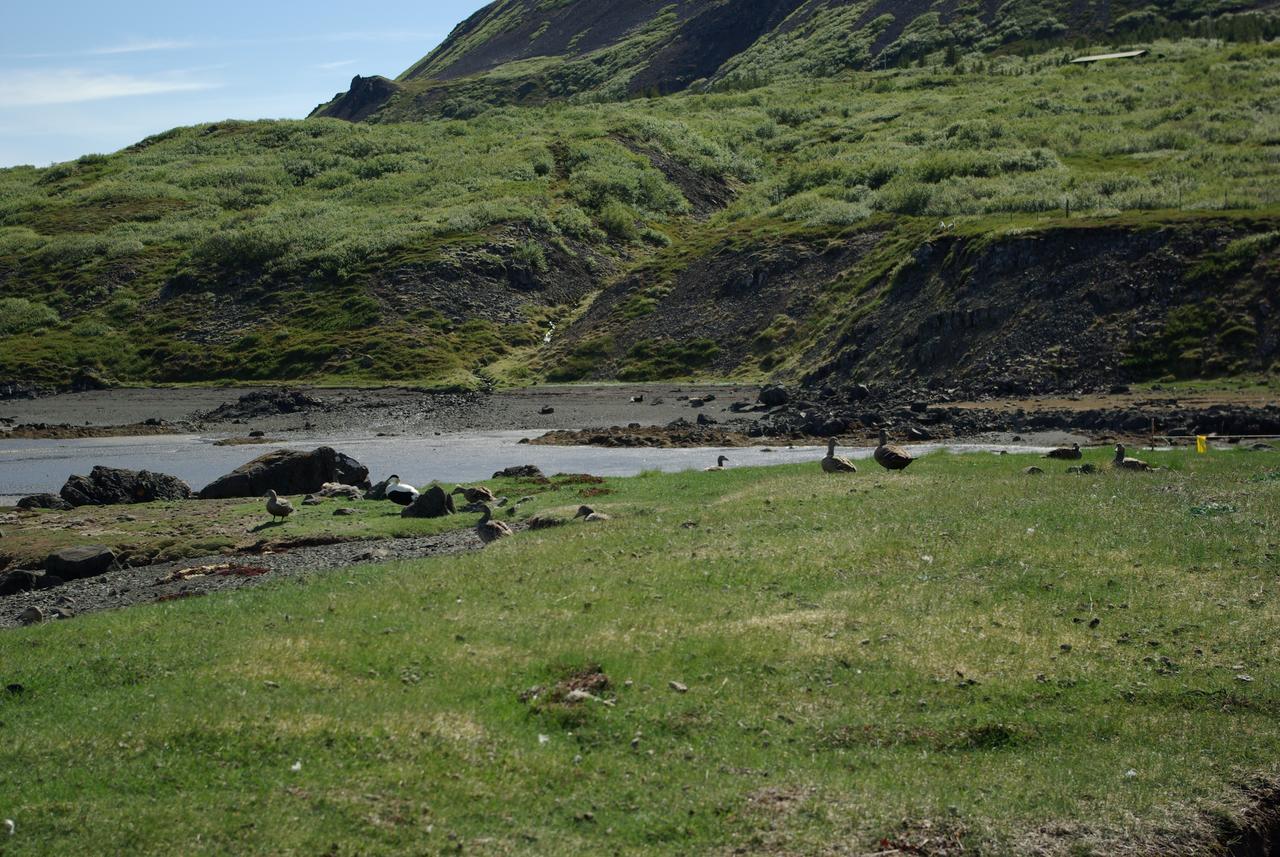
[[26, 580], [80, 562], [109, 486], [288, 471], [44, 501], [774, 396], [432, 503]]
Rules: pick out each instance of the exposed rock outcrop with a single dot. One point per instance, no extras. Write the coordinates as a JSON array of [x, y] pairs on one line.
[[109, 486], [289, 471], [79, 563], [432, 503]]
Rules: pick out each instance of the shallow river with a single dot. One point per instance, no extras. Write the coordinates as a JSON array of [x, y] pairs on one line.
[[33, 466]]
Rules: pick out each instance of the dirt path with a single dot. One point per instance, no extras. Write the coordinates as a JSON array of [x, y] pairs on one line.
[[201, 576]]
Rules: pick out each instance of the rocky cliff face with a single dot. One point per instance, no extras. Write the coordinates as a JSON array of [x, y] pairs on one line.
[[1051, 310]]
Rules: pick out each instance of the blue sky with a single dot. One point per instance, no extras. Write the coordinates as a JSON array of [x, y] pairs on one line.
[[81, 76]]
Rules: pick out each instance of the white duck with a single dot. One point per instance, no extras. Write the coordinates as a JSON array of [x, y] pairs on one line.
[[401, 493]]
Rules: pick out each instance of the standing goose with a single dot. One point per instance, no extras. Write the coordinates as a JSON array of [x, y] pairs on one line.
[[586, 513], [490, 530], [834, 463], [400, 493], [478, 494], [1065, 453], [278, 508], [720, 463], [1124, 463], [892, 457]]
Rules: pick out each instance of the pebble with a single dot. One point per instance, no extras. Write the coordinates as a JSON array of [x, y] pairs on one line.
[[31, 616], [343, 512], [678, 687]]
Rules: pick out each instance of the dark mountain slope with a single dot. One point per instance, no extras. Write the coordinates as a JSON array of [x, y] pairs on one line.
[[532, 51]]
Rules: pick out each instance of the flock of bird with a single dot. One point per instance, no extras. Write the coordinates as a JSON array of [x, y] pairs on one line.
[[887, 455]]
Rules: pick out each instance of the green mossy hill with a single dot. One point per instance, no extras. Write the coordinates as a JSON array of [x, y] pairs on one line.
[[441, 252]]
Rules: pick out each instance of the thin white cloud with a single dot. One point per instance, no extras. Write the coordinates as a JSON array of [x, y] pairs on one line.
[[330, 66], [70, 86], [140, 47]]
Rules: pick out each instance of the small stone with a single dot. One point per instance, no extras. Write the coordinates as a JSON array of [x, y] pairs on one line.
[[1066, 647], [1243, 677], [31, 616], [1095, 622], [344, 512], [678, 687], [1033, 471], [547, 411]]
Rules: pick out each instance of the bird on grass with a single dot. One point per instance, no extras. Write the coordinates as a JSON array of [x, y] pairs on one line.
[[720, 463], [586, 513], [1124, 463], [834, 463], [490, 529], [401, 493], [891, 457], [478, 494], [277, 507], [1065, 453]]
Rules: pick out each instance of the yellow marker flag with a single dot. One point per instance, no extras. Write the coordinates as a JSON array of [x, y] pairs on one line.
[[1202, 444]]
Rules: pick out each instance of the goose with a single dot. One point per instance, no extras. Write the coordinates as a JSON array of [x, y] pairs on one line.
[[478, 494], [1124, 463], [586, 513], [720, 463], [278, 508], [834, 463], [490, 529], [1065, 453], [891, 457], [401, 493]]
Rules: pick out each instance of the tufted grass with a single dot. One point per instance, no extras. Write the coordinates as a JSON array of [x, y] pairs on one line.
[[873, 658]]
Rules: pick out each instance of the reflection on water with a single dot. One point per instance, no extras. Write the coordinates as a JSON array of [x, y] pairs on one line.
[[33, 466]]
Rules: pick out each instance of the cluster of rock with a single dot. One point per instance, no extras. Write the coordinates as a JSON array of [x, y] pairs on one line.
[[63, 566], [930, 413], [110, 486], [264, 403]]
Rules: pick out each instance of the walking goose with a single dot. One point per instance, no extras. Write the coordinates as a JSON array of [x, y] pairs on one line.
[[720, 463], [1065, 453], [278, 508], [401, 493], [478, 494], [586, 513], [834, 463], [490, 530], [1124, 463], [892, 457]]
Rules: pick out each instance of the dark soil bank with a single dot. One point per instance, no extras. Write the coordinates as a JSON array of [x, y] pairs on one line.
[[125, 587]]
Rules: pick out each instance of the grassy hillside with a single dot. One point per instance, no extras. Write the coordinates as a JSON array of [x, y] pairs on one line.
[[863, 671], [440, 252]]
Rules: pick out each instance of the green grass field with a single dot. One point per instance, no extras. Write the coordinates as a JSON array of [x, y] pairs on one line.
[[957, 655]]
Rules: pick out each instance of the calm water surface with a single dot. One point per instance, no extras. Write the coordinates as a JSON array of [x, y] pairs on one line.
[[33, 466]]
